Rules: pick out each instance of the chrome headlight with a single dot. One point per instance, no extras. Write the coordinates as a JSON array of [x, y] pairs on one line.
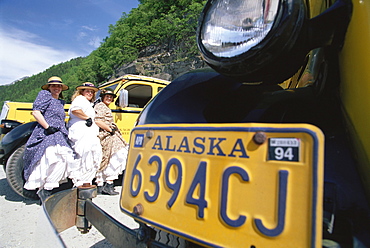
[[259, 40], [234, 27]]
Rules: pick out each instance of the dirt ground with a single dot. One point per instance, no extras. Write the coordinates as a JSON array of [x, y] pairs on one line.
[[20, 221]]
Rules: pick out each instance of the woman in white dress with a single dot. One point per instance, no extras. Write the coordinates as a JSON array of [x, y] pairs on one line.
[[83, 133]]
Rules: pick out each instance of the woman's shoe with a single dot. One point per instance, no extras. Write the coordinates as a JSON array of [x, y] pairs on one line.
[[109, 189], [44, 194], [100, 190]]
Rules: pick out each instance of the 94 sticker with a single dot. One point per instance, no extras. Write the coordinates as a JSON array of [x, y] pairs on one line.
[[284, 149]]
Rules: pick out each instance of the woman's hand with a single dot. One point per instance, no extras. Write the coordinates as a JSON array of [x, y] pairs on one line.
[[89, 122], [80, 114], [104, 126], [41, 120], [113, 130], [51, 130]]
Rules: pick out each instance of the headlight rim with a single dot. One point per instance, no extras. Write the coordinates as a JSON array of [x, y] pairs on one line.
[[284, 34]]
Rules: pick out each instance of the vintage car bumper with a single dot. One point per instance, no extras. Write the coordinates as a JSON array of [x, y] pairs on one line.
[[74, 207]]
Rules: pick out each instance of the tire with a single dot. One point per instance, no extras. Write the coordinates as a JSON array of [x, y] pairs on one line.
[[169, 239], [172, 240], [14, 174]]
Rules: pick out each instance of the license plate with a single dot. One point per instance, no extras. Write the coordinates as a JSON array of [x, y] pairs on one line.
[[228, 185]]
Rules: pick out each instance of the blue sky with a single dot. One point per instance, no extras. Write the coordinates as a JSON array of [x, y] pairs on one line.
[[36, 34]]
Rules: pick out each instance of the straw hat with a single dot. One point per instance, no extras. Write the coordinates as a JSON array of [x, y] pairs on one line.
[[55, 80], [87, 85], [107, 91]]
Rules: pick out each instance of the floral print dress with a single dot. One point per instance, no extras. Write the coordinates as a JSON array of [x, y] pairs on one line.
[[114, 147], [47, 156]]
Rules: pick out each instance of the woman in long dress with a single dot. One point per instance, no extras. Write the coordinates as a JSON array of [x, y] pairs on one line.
[[113, 144], [48, 152], [83, 133]]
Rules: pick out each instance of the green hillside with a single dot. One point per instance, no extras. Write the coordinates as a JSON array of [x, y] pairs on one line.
[[170, 24]]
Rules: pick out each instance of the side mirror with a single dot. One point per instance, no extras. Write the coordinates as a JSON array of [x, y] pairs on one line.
[[122, 100]]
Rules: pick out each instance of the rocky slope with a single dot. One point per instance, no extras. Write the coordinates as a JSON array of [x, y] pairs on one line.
[[158, 63]]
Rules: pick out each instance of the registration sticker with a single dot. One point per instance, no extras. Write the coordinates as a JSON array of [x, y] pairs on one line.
[[284, 149], [139, 140]]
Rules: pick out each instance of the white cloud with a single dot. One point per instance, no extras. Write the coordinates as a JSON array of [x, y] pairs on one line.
[[81, 35], [90, 28], [95, 41], [22, 56], [89, 37]]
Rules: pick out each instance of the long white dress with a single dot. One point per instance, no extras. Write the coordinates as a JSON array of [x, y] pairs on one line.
[[85, 143]]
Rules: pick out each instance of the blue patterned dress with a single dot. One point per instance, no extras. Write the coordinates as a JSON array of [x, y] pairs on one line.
[[60, 152]]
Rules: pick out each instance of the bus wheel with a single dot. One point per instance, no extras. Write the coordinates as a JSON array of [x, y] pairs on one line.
[[14, 174]]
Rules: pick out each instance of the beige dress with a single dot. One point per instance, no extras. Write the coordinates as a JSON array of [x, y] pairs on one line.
[[114, 147]]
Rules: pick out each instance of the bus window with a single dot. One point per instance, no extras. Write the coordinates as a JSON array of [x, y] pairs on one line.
[[139, 95]]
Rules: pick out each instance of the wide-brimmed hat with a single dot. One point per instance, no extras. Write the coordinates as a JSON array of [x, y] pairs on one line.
[[55, 80], [87, 85], [107, 91]]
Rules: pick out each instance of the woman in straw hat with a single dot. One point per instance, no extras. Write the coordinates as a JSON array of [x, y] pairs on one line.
[[83, 133], [48, 152], [113, 144]]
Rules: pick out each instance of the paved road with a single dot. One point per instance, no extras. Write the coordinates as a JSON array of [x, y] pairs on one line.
[[19, 221]]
